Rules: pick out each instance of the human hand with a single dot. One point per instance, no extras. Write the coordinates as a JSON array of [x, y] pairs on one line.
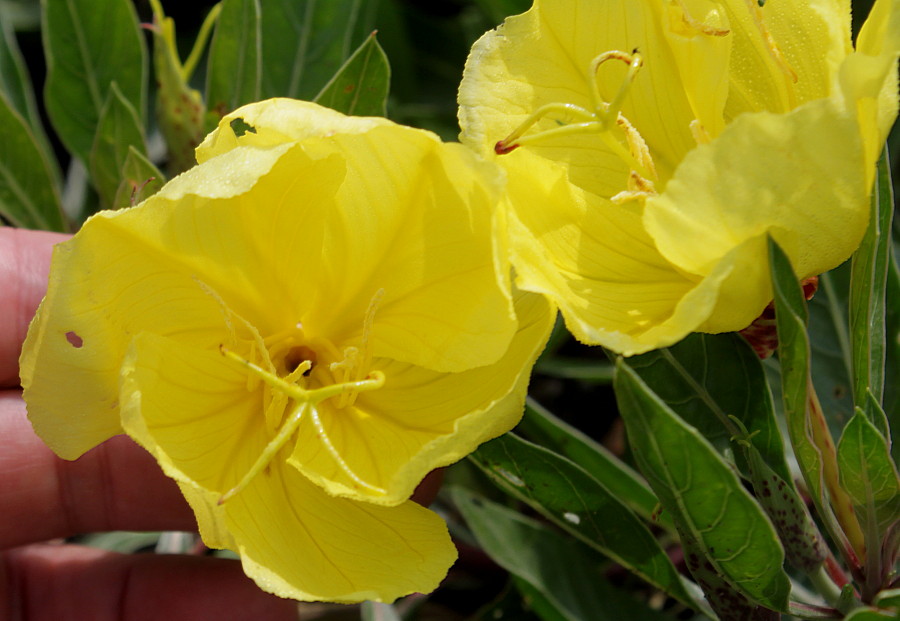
[[116, 486]]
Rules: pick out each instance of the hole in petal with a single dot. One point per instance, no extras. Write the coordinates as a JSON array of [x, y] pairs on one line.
[[240, 127], [74, 340]]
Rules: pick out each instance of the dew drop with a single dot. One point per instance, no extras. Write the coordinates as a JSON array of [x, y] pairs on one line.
[[573, 518], [509, 476]]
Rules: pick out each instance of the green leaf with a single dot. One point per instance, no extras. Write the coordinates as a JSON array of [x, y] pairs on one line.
[[892, 353], [118, 131], [867, 290], [793, 352], [89, 44], [305, 42], [566, 574], [234, 67], [708, 502], [830, 348], [361, 86], [14, 80], [806, 423], [869, 476], [706, 379], [618, 477], [28, 194], [140, 180], [569, 497]]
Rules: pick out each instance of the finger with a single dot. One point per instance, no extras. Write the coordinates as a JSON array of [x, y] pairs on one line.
[[24, 265], [116, 486], [50, 582]]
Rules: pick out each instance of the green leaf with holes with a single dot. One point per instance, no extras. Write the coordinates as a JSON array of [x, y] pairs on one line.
[[89, 44], [707, 500], [573, 500], [361, 86]]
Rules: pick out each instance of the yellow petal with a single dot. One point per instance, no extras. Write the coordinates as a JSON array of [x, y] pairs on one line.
[[297, 541], [421, 419], [162, 268], [798, 176], [193, 410]]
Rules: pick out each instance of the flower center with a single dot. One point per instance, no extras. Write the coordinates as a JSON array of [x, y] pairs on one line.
[[298, 378], [604, 119]]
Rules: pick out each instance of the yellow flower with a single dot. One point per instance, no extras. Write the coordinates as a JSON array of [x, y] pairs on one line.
[[652, 145], [298, 329]]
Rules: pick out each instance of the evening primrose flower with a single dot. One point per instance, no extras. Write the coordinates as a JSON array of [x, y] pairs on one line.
[[652, 146], [298, 329]]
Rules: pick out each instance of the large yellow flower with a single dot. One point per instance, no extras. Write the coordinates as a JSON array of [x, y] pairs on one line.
[[652, 145], [298, 329]]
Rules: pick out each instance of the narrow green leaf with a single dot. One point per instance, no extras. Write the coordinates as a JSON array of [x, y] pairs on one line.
[[567, 574], [706, 379], [118, 131], [542, 427], [831, 353], [140, 180], [869, 475], [28, 194], [89, 44], [14, 80], [593, 371], [806, 423], [708, 502], [793, 352], [867, 290], [892, 354], [361, 86], [568, 496], [305, 42], [234, 67]]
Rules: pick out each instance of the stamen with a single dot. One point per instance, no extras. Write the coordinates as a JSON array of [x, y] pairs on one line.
[[284, 434], [320, 430], [610, 112], [601, 120], [307, 399], [755, 9]]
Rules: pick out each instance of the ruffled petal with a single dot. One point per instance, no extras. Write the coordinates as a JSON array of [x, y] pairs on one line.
[[596, 262], [799, 177], [421, 419]]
